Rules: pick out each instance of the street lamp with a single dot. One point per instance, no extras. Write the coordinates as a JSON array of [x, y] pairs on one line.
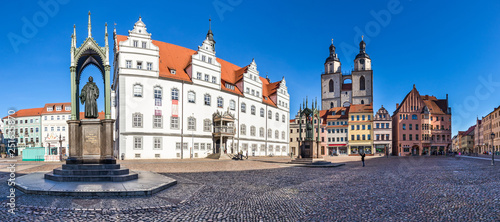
[[492, 150], [192, 139]]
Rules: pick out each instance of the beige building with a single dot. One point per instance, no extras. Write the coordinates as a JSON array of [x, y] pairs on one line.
[[491, 126], [478, 137], [360, 132], [467, 140]]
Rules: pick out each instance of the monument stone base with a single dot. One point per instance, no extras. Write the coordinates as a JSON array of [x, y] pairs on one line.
[[91, 154]]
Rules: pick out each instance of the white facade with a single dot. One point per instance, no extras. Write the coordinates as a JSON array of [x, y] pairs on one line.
[[382, 131], [161, 89], [54, 126]]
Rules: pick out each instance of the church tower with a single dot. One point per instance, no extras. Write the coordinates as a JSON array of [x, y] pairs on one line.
[[362, 76], [331, 81]]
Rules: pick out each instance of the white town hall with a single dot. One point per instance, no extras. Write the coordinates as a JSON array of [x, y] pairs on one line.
[[173, 102]]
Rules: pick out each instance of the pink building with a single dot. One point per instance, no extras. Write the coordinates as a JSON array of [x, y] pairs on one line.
[[421, 125]]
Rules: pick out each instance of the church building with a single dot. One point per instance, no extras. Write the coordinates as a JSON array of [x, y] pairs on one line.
[[341, 89]]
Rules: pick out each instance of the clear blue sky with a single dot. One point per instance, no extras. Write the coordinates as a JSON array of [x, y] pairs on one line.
[[442, 47]]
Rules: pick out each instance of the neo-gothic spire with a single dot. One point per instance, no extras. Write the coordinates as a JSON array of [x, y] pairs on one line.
[[210, 35], [89, 28]]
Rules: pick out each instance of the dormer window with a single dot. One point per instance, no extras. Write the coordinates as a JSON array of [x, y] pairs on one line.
[[136, 43], [67, 108], [229, 86], [172, 71], [50, 109], [58, 108]]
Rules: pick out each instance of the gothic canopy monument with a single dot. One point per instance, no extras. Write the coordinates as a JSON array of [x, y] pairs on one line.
[[91, 138]]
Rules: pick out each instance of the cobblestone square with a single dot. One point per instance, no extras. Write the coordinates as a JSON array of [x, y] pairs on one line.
[[267, 189]]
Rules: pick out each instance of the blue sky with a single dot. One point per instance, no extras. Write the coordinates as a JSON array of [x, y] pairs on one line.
[[442, 47]]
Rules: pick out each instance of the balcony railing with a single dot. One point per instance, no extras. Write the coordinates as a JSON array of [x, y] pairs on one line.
[[224, 129]]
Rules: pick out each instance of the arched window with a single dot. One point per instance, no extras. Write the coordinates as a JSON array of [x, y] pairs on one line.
[[282, 135], [277, 117], [269, 133], [207, 99], [262, 112], [414, 117], [252, 131], [191, 97], [207, 123], [331, 105], [243, 108], [157, 91], [362, 102], [252, 110], [276, 134], [220, 102], [232, 105], [175, 94], [137, 90], [269, 114], [362, 83], [191, 123], [243, 129], [283, 118], [330, 86], [261, 132]]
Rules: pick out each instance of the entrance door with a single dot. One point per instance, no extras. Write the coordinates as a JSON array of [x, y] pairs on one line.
[[415, 151]]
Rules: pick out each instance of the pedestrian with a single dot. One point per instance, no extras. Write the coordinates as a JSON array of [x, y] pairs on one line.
[[247, 154], [362, 158]]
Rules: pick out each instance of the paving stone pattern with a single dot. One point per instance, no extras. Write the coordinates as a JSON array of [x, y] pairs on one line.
[[393, 189]]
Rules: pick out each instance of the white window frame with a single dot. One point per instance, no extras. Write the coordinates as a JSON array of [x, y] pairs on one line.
[[136, 89], [137, 120], [191, 97], [174, 122], [157, 122]]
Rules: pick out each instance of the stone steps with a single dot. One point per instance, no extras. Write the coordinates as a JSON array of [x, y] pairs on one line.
[[60, 171], [91, 173], [90, 166], [91, 178]]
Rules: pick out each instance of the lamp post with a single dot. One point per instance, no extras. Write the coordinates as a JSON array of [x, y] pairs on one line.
[[192, 140], [492, 150]]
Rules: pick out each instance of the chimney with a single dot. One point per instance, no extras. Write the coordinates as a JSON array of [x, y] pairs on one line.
[[397, 105]]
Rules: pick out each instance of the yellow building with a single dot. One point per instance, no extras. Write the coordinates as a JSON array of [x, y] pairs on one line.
[[360, 130]]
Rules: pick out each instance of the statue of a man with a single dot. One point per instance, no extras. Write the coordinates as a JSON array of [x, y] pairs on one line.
[[309, 130], [89, 96]]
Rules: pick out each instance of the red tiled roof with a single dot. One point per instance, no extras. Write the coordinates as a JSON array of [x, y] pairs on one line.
[[470, 130], [54, 105], [292, 121], [361, 108], [179, 58], [26, 112]]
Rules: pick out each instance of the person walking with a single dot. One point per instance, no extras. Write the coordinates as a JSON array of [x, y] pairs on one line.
[[247, 154], [363, 158]]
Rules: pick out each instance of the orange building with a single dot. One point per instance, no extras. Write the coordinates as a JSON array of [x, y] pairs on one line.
[[421, 125]]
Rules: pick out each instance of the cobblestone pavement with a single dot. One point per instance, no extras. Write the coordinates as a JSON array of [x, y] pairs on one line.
[[264, 189]]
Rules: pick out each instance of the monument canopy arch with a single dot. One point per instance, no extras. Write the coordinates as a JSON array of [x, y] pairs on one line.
[[89, 53]]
